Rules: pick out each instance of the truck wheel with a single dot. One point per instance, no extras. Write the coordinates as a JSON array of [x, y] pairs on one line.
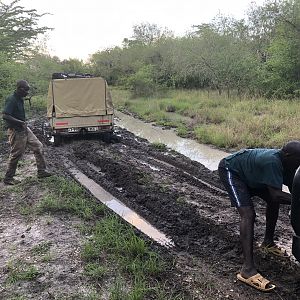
[[57, 140], [107, 137]]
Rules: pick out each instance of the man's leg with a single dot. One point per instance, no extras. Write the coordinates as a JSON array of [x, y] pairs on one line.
[[37, 147], [272, 212], [17, 141], [247, 215], [241, 199]]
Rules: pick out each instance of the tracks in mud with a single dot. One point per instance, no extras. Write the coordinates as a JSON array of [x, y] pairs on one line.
[[186, 201], [118, 207]]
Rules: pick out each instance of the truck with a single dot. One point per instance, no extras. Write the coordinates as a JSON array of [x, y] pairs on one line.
[[78, 105]]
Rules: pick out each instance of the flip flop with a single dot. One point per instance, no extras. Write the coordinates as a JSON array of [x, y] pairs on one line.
[[257, 281], [275, 250]]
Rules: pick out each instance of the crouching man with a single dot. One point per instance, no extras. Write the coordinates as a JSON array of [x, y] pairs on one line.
[[259, 172]]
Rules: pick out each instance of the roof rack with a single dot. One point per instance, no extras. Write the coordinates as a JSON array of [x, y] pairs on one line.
[[70, 75]]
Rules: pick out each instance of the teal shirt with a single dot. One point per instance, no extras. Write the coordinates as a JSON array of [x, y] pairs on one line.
[[14, 106], [258, 168]]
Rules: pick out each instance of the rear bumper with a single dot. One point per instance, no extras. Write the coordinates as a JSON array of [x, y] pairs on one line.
[[82, 125], [83, 130]]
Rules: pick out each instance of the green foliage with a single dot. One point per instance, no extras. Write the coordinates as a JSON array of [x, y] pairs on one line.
[[9, 73], [142, 83], [256, 56], [227, 123], [38, 70], [146, 34], [18, 28], [249, 57], [281, 71]]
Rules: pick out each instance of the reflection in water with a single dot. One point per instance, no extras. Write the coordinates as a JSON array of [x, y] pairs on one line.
[[204, 154], [119, 208]]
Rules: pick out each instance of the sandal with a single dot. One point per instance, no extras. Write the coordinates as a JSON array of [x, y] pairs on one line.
[[275, 250], [257, 281]]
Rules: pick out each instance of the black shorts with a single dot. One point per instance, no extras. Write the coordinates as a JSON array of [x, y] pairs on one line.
[[239, 193]]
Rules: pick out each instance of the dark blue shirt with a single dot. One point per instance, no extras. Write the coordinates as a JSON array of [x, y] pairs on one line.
[[258, 168], [14, 106]]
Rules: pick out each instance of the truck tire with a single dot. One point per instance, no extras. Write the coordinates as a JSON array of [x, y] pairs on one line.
[[57, 140]]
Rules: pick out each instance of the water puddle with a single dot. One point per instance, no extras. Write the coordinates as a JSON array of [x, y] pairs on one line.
[[204, 154], [119, 208]]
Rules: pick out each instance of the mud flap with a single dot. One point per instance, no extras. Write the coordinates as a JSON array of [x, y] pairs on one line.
[[296, 247]]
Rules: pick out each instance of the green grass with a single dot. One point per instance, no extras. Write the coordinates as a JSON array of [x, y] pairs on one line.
[[113, 246], [67, 196], [41, 248], [2, 131], [159, 146], [95, 270], [136, 262], [215, 119], [120, 291], [18, 297], [46, 258], [21, 271]]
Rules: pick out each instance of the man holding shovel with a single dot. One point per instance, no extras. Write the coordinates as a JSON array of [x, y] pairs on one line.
[[19, 135]]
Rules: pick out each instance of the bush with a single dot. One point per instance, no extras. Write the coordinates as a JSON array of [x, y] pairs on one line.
[[142, 83], [9, 72]]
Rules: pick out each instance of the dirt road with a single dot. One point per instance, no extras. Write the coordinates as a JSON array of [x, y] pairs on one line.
[[187, 202]]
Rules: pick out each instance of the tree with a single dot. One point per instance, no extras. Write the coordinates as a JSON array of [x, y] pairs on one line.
[[146, 34], [18, 28], [9, 72], [74, 65], [280, 74]]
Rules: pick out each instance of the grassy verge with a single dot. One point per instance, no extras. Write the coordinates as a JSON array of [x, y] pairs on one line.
[[214, 119], [111, 253]]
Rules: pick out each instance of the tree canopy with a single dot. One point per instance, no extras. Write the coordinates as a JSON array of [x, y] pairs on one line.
[[18, 28]]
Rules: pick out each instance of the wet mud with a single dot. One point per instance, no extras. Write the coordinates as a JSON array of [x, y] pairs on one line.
[[186, 201]]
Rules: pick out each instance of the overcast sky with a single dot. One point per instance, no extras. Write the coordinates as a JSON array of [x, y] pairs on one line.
[[81, 27]]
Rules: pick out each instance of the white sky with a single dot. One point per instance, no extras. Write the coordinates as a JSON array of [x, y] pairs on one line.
[[82, 27]]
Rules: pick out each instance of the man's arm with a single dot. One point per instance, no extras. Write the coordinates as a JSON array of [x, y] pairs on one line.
[[13, 120], [279, 196]]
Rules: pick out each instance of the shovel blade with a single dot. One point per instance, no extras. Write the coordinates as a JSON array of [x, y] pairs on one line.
[[296, 247]]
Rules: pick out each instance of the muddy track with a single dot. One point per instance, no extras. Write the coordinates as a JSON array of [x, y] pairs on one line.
[[187, 202]]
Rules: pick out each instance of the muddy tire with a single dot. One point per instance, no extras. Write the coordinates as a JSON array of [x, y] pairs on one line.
[[57, 140], [107, 137]]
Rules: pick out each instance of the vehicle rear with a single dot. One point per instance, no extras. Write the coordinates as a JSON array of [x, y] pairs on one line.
[[79, 106]]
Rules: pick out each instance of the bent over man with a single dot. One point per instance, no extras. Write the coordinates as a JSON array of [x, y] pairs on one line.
[[19, 135], [259, 172]]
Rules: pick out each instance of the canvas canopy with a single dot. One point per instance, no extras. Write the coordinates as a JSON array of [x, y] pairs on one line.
[[78, 97]]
